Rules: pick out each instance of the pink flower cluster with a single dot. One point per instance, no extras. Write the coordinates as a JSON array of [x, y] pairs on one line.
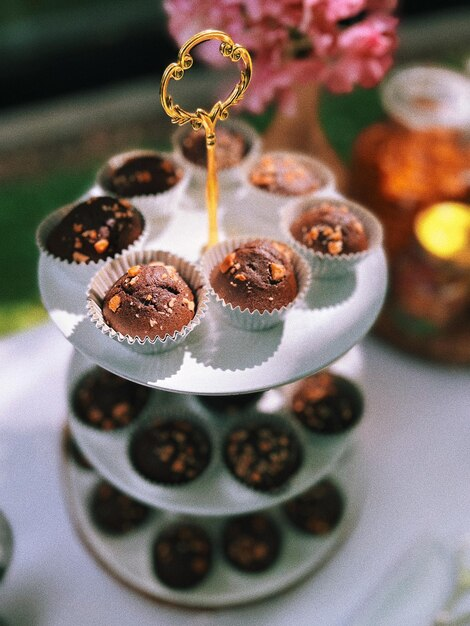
[[337, 43]]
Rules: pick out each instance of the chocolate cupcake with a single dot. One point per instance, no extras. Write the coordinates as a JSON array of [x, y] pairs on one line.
[[333, 234], [237, 145], [114, 512], [107, 402], [289, 174], [262, 456], [259, 275], [231, 147], [317, 511], [255, 281], [182, 555], [91, 231], [251, 543], [327, 404], [149, 301], [230, 405], [330, 229], [140, 173], [170, 451]]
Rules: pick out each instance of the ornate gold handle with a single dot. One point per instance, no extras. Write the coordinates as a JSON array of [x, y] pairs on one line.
[[201, 118]]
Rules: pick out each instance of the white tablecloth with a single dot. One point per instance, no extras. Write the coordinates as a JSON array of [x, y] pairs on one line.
[[415, 441]]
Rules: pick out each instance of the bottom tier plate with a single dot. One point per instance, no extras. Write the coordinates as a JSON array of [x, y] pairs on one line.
[[128, 559]]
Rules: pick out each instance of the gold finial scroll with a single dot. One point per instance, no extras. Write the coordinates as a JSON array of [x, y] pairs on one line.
[[201, 118]]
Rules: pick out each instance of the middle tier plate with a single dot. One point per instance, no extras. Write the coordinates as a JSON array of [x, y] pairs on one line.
[[217, 358], [216, 491]]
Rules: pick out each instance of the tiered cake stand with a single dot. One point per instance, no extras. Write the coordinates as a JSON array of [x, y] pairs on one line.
[[216, 359]]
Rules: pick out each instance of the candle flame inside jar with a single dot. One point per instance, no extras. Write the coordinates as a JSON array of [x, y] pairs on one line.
[[444, 230]]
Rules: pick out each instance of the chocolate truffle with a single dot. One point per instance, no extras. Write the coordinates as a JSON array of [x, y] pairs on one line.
[[318, 510], [73, 452], [259, 275], [328, 404], [330, 229], [149, 301], [230, 148], [251, 543], [182, 555], [170, 451], [106, 401], [140, 174], [285, 175], [95, 229], [262, 456], [114, 512], [230, 405]]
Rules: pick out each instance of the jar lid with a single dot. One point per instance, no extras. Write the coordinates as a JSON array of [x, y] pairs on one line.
[[443, 230], [422, 97]]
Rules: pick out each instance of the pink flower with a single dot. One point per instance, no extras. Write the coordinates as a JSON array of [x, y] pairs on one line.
[[338, 43]]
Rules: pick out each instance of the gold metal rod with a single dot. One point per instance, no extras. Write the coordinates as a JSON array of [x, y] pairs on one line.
[[202, 118], [212, 195]]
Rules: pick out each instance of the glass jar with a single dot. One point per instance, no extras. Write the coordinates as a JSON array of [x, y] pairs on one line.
[[419, 155], [427, 310]]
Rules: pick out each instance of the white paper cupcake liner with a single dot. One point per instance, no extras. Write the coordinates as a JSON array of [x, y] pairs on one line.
[[152, 206], [328, 265], [271, 200], [229, 175], [111, 272], [78, 272], [246, 319]]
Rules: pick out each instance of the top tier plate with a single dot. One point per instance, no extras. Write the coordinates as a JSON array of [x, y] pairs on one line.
[[218, 358]]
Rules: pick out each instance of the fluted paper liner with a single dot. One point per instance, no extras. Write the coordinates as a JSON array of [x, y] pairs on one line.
[[78, 272], [246, 319], [111, 272], [152, 206], [270, 199], [328, 265], [218, 492], [228, 175]]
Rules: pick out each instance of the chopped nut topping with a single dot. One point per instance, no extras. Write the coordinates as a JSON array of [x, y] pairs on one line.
[[171, 303], [134, 270], [335, 247], [189, 304], [80, 258], [143, 177], [153, 323], [101, 245], [90, 234], [241, 277], [227, 262], [133, 280], [148, 297], [167, 166], [114, 303], [277, 271]]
